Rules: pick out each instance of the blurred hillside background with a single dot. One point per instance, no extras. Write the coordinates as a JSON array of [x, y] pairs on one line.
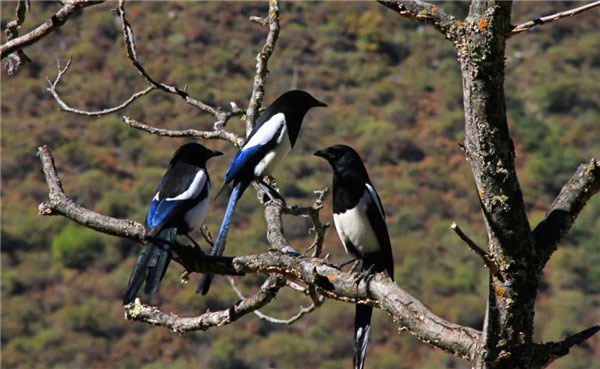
[[394, 93]]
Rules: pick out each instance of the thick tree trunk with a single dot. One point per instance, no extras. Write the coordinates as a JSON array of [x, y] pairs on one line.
[[509, 320], [516, 255]]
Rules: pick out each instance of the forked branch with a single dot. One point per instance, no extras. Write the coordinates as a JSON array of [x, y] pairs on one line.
[[258, 88], [65, 107], [425, 12], [129, 39], [59, 203], [327, 280], [18, 58], [221, 134], [312, 212], [56, 21], [12, 27], [317, 302], [154, 316], [488, 259]]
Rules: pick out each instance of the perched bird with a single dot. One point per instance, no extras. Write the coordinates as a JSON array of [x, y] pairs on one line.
[[272, 138], [178, 207], [360, 222]]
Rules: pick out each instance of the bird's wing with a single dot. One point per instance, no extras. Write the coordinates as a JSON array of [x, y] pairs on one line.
[[177, 189], [262, 139], [376, 217], [375, 198]]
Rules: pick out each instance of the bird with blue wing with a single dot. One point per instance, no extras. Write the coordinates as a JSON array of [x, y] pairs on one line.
[[360, 223], [178, 207], [272, 138]]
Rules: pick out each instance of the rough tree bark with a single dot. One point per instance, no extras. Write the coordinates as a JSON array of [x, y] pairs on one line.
[[516, 255], [508, 327], [480, 41], [55, 22]]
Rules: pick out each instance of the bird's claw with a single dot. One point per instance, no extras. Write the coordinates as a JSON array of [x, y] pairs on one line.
[[365, 275]]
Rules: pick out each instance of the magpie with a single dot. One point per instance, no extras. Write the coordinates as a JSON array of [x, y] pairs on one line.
[[272, 138], [178, 207], [360, 222]]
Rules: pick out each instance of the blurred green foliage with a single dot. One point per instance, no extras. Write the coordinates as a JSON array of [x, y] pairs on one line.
[[76, 247], [395, 94]]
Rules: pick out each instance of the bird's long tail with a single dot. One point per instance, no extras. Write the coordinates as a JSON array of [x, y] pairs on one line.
[[362, 326], [219, 245], [151, 264]]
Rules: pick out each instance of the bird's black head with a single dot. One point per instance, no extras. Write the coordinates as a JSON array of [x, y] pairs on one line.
[[345, 161], [294, 104], [194, 154], [298, 100]]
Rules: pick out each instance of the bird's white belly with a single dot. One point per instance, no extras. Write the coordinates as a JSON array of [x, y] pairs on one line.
[[196, 215], [273, 157], [353, 226]]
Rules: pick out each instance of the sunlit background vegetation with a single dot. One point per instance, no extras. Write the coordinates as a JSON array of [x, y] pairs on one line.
[[394, 93]]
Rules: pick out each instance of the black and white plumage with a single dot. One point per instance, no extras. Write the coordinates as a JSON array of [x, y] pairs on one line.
[[178, 207], [360, 222], [272, 138]]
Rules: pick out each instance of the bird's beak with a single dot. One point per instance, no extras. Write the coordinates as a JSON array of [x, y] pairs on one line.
[[216, 153], [321, 153], [320, 103]]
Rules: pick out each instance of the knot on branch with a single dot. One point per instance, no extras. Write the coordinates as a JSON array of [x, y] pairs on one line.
[[45, 208]]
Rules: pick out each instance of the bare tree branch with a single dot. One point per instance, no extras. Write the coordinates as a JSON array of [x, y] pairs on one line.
[[59, 204], [546, 353], [584, 184], [381, 292], [56, 21], [275, 234], [425, 12], [207, 236], [222, 116], [218, 134], [486, 257], [12, 27], [327, 280], [551, 18], [128, 37], [154, 316], [258, 88], [15, 60], [65, 107], [312, 212], [259, 20], [18, 58], [317, 301]]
